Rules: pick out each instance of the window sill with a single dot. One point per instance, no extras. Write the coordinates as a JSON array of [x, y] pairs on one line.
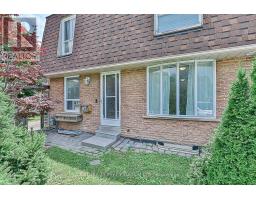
[[71, 112], [64, 56], [183, 118], [68, 117], [178, 31]]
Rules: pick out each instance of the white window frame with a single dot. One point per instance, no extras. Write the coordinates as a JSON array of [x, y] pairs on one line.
[[175, 30], [62, 34], [177, 89], [65, 94]]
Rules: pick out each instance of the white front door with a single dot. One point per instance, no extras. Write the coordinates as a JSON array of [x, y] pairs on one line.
[[110, 98]]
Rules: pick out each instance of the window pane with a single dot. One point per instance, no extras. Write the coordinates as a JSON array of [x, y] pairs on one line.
[[169, 89], [110, 85], [70, 105], [154, 90], [205, 88], [117, 96], [110, 103], [186, 82], [66, 30], [72, 88], [104, 114], [73, 105], [66, 47], [173, 22]]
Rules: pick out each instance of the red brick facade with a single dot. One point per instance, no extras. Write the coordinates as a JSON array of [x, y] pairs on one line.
[[88, 95], [134, 122], [102, 40]]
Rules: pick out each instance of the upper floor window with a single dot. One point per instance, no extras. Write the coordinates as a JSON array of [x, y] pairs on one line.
[[66, 36], [176, 22]]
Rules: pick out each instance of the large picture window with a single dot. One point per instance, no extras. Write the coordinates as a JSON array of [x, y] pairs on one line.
[[183, 89], [72, 94], [176, 22]]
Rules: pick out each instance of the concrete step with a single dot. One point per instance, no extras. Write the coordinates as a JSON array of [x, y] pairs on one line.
[[111, 132], [98, 142], [104, 128], [109, 135]]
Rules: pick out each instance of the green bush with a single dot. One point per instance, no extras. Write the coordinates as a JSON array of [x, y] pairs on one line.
[[230, 157], [197, 173], [6, 111], [21, 151], [5, 177]]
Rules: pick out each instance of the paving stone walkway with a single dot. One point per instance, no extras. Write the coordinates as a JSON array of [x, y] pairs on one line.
[[74, 143], [125, 144]]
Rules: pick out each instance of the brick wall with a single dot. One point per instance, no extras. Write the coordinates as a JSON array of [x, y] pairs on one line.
[[57, 94], [135, 124], [88, 95], [133, 106]]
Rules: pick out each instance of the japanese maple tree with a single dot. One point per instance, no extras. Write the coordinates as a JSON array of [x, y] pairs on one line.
[[22, 79]]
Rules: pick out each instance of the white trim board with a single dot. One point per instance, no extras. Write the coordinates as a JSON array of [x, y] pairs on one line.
[[246, 50]]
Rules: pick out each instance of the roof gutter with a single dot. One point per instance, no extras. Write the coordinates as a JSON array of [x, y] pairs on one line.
[[246, 50]]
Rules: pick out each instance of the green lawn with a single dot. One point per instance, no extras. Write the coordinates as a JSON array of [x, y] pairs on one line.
[[117, 168]]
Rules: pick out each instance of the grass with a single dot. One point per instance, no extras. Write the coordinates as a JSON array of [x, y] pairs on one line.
[[117, 168]]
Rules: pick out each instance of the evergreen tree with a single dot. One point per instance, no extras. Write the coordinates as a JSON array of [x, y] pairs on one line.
[[231, 157], [5, 177], [21, 151]]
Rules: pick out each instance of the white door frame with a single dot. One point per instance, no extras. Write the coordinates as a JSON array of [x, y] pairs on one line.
[[104, 121]]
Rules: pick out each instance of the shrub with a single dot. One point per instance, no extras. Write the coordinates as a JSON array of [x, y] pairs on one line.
[[230, 158], [5, 177], [6, 111], [197, 173], [20, 150]]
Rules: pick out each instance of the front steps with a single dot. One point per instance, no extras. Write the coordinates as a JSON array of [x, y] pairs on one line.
[[112, 132], [105, 136], [98, 142]]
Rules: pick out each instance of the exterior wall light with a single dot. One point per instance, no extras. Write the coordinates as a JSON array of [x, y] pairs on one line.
[[87, 80]]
